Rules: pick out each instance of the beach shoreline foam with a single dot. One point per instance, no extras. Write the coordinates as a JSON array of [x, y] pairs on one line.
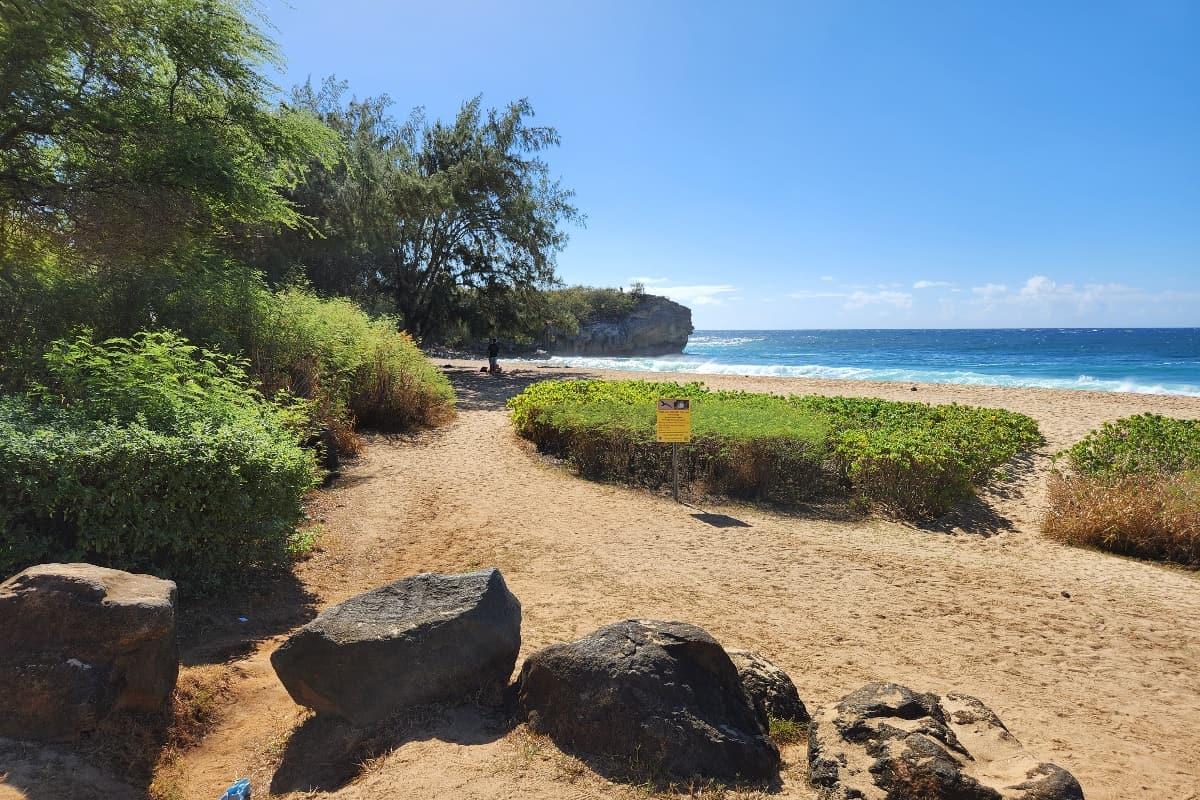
[[693, 366]]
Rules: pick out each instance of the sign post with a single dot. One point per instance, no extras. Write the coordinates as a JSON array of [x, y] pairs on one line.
[[674, 425]]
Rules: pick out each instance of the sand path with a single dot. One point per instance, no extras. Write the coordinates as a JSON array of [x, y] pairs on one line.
[[1092, 660]]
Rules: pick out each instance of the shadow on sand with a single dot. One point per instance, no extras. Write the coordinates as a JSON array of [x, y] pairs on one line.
[[231, 627], [325, 753], [647, 775], [480, 391], [979, 515]]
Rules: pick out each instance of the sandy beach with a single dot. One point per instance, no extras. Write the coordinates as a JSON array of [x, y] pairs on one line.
[[1092, 660]]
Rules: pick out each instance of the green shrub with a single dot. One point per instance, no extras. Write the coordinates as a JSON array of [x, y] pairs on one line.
[[1141, 444], [908, 458], [1131, 487], [571, 307], [354, 368], [150, 454]]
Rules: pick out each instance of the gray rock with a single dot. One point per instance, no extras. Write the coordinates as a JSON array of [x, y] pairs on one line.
[[429, 638], [886, 742], [663, 694], [769, 686], [81, 641], [656, 326]]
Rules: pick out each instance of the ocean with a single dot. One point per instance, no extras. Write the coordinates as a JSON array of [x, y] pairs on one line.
[[1144, 360]]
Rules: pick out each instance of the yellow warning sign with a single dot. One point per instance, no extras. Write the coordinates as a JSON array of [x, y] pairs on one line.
[[674, 420]]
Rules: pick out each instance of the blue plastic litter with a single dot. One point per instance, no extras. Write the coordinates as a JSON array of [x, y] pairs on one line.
[[240, 790]]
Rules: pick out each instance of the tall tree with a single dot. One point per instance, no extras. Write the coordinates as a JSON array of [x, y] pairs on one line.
[[128, 124], [450, 221], [476, 207]]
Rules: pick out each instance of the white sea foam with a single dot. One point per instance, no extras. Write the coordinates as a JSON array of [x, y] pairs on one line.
[[724, 341], [693, 365]]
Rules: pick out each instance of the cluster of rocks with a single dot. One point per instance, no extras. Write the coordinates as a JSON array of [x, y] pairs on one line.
[[661, 694], [82, 641], [887, 742]]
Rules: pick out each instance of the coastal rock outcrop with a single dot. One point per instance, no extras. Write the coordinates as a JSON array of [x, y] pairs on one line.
[[664, 693], [768, 686], [655, 326], [887, 742], [428, 638], [80, 641]]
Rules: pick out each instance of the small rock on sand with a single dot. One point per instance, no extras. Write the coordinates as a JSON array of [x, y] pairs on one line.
[[886, 741]]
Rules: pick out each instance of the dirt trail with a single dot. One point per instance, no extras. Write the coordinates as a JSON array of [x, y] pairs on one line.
[[1092, 660]]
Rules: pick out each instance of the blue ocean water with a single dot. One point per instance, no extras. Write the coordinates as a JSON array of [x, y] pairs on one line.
[[1147, 360]]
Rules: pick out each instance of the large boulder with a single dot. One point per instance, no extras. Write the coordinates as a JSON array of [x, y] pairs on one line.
[[79, 642], [768, 686], [655, 326], [664, 693], [429, 638], [887, 742]]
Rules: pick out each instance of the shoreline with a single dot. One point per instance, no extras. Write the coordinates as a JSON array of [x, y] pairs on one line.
[[687, 366]]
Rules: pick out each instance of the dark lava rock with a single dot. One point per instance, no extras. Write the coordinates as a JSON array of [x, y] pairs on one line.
[[887, 742], [660, 694], [429, 638], [80, 641], [769, 686]]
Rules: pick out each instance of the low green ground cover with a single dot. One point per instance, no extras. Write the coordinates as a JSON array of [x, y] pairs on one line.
[[1131, 487], [910, 459]]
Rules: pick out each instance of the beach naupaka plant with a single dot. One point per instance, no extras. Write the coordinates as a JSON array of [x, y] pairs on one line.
[[1132, 487], [911, 459]]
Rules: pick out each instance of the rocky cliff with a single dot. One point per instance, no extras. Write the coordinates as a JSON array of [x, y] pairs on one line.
[[656, 326]]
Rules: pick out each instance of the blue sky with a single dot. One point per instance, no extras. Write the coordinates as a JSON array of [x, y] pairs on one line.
[[832, 164]]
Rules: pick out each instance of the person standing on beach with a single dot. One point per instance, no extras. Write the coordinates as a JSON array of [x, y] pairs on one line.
[[493, 355]]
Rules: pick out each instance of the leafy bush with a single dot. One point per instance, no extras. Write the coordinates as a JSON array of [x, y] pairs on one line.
[[909, 458], [1131, 487], [1141, 444], [354, 368], [149, 454], [328, 351], [574, 306]]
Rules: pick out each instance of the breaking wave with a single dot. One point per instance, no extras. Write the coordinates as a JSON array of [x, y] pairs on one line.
[[693, 365]]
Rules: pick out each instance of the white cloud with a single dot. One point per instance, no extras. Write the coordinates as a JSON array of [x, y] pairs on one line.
[[807, 294], [884, 298], [827, 278], [1045, 297], [1039, 287], [648, 281], [932, 285], [698, 295], [990, 291]]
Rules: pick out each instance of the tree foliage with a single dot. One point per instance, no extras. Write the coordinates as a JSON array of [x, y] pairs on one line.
[[450, 222], [126, 124]]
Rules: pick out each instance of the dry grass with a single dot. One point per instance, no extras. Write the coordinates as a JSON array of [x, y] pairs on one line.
[[1147, 516], [200, 695], [144, 748]]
